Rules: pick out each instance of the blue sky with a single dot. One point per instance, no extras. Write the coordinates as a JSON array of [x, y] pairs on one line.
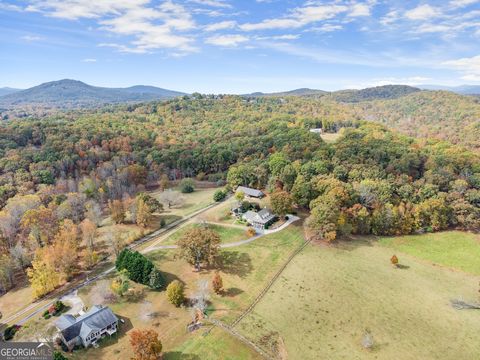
[[229, 46]]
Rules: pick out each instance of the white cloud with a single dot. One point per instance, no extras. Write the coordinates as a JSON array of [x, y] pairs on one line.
[[469, 67], [328, 28], [230, 40], [359, 10], [89, 60], [32, 38], [299, 17], [422, 12], [152, 27], [462, 3], [222, 25], [213, 3], [279, 37]]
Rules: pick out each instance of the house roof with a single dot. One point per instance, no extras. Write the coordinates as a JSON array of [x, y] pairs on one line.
[[250, 192], [65, 321], [97, 318], [262, 217]]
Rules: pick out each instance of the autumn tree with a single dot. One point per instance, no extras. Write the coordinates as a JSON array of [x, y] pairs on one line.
[[120, 284], [394, 260], [175, 293], [65, 245], [40, 225], [117, 211], [217, 283], [239, 195], [199, 245], [281, 202], [144, 213], [164, 182], [43, 275], [146, 344], [89, 232]]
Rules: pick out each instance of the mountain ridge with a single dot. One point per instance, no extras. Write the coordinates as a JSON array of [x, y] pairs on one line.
[[68, 93]]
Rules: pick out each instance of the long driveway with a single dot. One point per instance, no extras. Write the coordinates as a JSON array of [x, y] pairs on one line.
[[291, 219]]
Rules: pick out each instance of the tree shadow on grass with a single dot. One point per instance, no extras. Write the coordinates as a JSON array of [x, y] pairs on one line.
[[232, 292], [234, 262], [177, 355]]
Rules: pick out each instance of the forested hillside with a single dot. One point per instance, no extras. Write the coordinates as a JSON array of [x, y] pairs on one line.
[[438, 114], [60, 171]]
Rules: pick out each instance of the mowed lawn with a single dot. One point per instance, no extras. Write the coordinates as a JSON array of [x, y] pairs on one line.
[[454, 249], [245, 271], [328, 297], [228, 234]]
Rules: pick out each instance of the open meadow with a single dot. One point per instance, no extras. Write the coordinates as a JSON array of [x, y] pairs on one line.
[[329, 298], [245, 271]]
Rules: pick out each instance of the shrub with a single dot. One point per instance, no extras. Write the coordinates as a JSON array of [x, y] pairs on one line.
[[187, 186], [59, 356], [394, 260], [156, 281], [10, 332], [219, 195], [175, 293], [251, 232], [217, 283]]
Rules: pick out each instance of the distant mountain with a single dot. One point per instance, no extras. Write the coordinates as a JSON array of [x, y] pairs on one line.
[[348, 96], [8, 90], [462, 89], [296, 92], [374, 93], [76, 94]]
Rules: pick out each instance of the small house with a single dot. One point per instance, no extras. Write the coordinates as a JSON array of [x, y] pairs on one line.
[[260, 220], [88, 328], [254, 193]]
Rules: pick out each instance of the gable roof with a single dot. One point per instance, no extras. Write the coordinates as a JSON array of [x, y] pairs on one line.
[[262, 217], [97, 318], [250, 192]]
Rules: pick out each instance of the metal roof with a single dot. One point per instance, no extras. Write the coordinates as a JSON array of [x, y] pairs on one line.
[[250, 192]]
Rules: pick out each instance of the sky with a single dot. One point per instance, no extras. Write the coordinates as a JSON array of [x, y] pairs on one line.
[[240, 46]]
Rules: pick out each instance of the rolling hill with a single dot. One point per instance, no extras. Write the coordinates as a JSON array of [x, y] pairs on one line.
[[8, 90], [76, 94], [462, 89], [374, 93], [296, 92]]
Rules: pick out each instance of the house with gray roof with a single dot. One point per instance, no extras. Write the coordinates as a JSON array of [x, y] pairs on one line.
[[88, 328], [251, 192], [260, 220]]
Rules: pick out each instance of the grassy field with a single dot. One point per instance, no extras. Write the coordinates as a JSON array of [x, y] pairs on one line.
[[228, 234], [454, 249], [245, 271], [195, 201], [328, 298]]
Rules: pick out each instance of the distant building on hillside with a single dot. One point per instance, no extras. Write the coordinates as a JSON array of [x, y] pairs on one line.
[[88, 328], [260, 220], [251, 192]]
